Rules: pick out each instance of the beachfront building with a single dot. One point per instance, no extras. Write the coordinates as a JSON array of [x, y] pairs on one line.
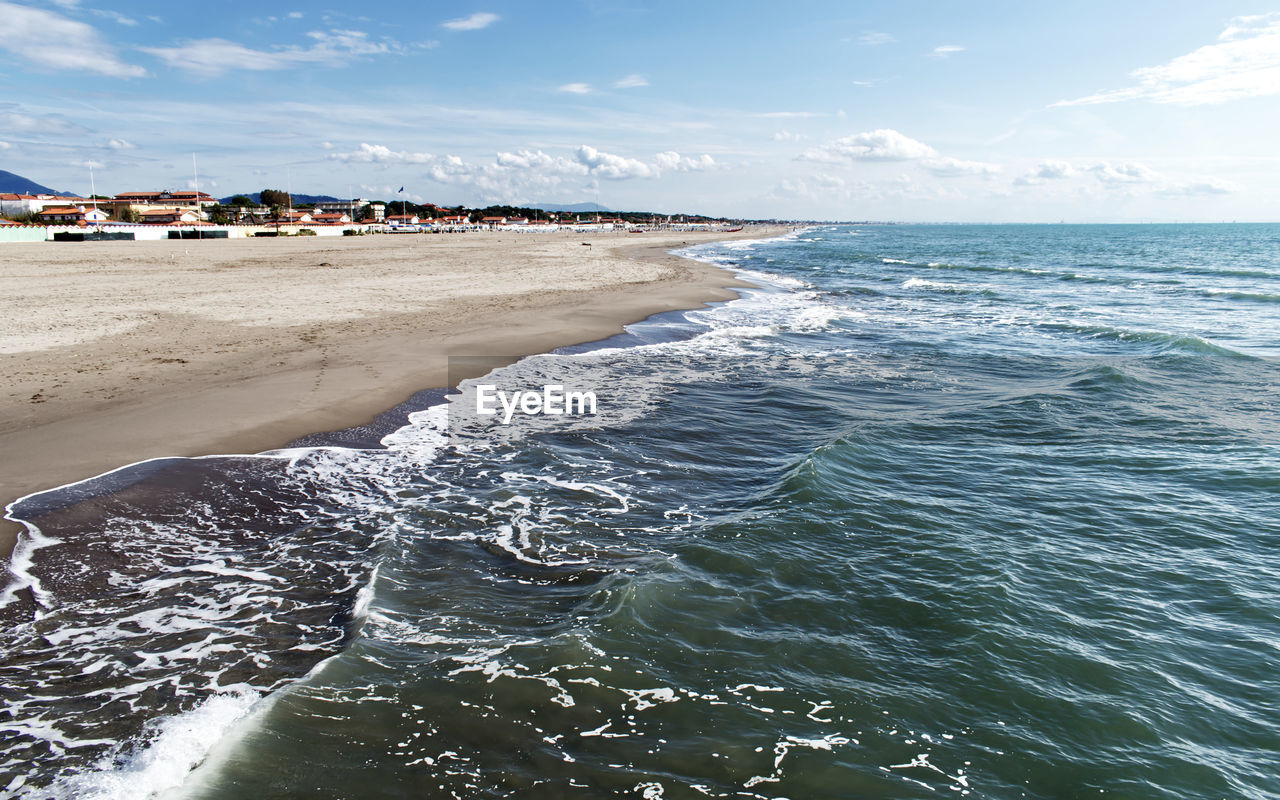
[[13, 205], [168, 216], [377, 211], [135, 204], [294, 218], [403, 219], [331, 219], [167, 199], [72, 215]]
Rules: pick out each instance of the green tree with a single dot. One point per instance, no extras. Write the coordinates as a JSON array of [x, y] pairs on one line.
[[219, 215], [242, 201], [274, 197], [128, 214]]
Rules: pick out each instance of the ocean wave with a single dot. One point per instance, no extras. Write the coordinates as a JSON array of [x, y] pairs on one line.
[[1161, 340], [943, 287], [1242, 294]]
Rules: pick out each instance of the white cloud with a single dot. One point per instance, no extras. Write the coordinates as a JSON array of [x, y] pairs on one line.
[[117, 16], [876, 38], [575, 88], [675, 162], [528, 175], [1128, 172], [632, 81], [380, 154], [50, 41], [5, 145], [519, 176], [945, 50], [525, 175], [1210, 187], [884, 144], [295, 15], [787, 136], [790, 114], [955, 167], [1245, 62], [612, 167], [120, 144], [1046, 171], [211, 57], [327, 145], [475, 22], [13, 121]]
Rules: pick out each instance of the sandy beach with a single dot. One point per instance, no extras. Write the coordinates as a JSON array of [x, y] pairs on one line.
[[116, 352]]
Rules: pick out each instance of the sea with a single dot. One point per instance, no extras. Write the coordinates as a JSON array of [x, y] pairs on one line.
[[934, 510]]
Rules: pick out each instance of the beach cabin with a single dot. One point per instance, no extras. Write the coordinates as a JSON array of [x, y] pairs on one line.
[[72, 215]]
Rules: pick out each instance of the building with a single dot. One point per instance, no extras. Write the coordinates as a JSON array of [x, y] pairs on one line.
[[294, 218], [14, 205], [331, 219], [352, 207], [72, 215], [139, 202], [403, 219], [166, 199], [169, 216]]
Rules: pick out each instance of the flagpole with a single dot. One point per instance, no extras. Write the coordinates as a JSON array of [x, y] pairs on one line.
[[93, 190]]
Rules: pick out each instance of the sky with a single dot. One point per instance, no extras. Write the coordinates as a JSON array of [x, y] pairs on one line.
[[913, 111]]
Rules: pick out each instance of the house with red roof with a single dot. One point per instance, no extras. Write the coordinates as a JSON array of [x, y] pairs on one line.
[[331, 219], [72, 215], [168, 216]]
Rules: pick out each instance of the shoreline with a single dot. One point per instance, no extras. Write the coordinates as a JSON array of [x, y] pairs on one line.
[[188, 385]]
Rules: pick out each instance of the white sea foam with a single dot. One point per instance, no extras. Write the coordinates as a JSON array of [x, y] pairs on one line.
[[175, 745]]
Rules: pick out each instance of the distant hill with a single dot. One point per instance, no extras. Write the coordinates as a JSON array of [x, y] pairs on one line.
[[298, 199], [16, 184], [573, 208]]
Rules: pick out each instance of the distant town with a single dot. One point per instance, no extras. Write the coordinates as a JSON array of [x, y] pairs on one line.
[[190, 213]]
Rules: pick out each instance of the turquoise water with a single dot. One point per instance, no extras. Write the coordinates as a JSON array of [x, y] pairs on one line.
[[990, 511]]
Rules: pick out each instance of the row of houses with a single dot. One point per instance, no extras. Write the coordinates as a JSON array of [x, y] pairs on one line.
[[165, 208], [186, 207]]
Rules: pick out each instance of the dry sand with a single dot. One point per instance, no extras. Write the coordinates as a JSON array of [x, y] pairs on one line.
[[115, 352]]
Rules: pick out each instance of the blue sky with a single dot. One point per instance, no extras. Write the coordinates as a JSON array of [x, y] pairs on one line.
[[959, 111]]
